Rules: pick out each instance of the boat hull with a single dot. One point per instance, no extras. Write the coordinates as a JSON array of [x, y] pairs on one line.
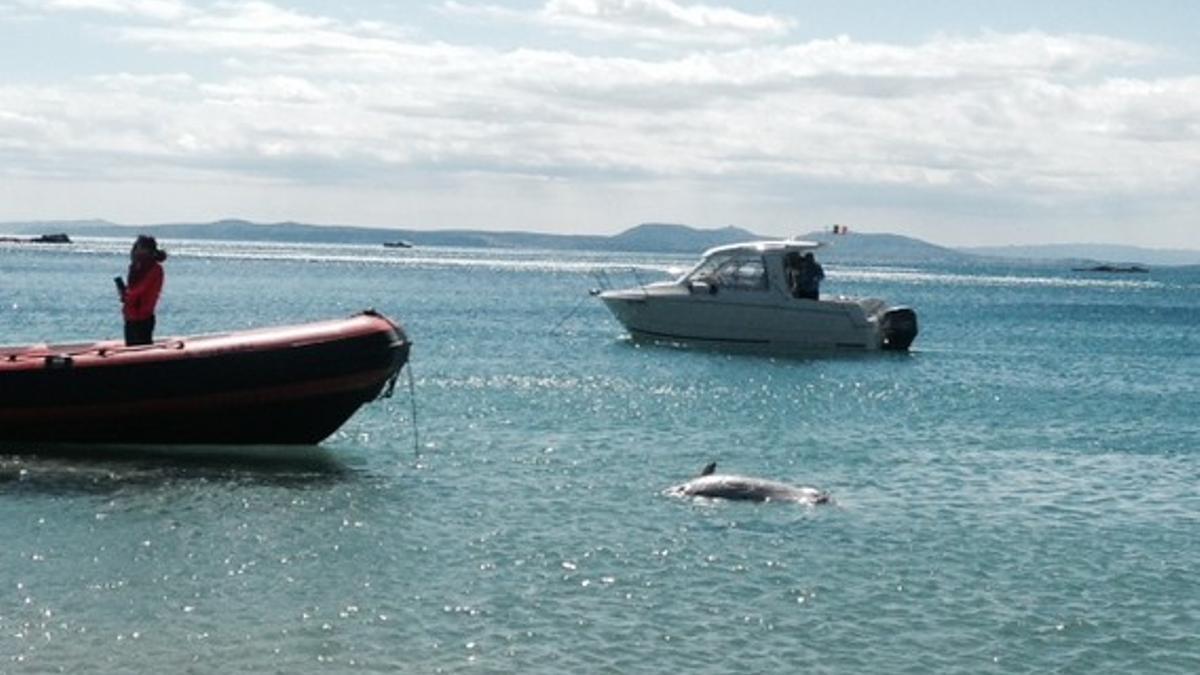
[[788, 326], [287, 385]]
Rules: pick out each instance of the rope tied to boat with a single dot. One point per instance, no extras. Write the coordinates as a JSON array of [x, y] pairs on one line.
[[412, 396], [390, 387], [571, 313]]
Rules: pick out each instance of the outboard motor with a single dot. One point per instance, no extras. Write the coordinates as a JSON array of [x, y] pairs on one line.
[[899, 328]]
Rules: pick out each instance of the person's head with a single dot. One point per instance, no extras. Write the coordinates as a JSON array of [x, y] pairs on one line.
[[146, 248], [808, 257]]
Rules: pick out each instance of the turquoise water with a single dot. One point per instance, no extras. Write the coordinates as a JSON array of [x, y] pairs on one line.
[[1016, 495]]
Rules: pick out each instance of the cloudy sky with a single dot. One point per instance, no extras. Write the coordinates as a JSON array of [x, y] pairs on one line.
[[967, 122]]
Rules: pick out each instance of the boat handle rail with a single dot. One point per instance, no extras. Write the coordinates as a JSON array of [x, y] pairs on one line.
[[43, 355]]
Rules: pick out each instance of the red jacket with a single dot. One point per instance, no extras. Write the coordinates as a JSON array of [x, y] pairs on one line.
[[142, 296]]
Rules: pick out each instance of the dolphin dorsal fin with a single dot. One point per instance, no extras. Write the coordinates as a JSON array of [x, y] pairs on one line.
[[708, 469]]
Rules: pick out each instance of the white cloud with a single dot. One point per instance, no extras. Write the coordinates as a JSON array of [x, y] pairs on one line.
[[254, 16], [642, 20], [154, 9], [1029, 119], [664, 14]]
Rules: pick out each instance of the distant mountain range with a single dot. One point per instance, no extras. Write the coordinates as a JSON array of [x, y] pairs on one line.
[[648, 237], [863, 247], [657, 237], [1110, 253]]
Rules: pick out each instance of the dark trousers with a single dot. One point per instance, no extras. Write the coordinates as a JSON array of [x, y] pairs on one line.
[[139, 332]]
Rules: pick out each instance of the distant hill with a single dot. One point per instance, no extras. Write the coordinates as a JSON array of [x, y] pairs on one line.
[[677, 238], [1085, 253], [655, 237], [862, 247], [858, 247], [45, 226]]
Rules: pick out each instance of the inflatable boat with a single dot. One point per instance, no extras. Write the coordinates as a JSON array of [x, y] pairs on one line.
[[281, 385]]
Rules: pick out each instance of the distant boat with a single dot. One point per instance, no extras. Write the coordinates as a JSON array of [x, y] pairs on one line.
[[289, 385], [1124, 269], [399, 243], [59, 238], [738, 298]]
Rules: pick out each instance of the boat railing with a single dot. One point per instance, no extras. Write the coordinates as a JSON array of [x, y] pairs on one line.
[[53, 354], [611, 278]]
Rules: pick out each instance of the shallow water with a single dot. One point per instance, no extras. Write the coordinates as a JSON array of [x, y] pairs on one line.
[[1017, 494]]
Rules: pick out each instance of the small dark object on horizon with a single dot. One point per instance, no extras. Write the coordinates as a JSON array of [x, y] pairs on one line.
[[59, 238], [1112, 268]]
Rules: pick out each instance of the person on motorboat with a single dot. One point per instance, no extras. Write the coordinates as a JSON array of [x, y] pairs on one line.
[[806, 275], [139, 295]]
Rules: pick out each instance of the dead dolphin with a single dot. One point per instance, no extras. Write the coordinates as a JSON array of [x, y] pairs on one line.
[[727, 486]]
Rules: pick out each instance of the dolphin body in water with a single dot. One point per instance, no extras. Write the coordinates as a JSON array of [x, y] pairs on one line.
[[727, 486]]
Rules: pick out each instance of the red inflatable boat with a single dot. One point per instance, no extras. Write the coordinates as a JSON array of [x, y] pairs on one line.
[[283, 385]]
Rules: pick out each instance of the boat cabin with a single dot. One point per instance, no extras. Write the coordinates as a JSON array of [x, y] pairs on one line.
[[754, 266]]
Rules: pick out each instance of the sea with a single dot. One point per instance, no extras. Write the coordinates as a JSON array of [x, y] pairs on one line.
[[1018, 494]]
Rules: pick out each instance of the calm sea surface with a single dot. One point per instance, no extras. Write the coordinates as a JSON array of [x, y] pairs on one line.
[[1019, 494]]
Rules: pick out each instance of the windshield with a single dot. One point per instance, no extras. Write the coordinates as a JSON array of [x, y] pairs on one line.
[[742, 270]]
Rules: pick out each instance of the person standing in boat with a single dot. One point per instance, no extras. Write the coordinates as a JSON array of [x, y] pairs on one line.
[[809, 274], [139, 295]]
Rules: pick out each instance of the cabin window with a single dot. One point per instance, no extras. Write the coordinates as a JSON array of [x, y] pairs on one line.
[[743, 272]]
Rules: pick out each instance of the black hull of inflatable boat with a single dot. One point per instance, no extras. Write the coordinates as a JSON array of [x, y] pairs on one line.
[[288, 393]]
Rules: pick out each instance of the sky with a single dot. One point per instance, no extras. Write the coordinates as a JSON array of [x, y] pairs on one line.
[[961, 123]]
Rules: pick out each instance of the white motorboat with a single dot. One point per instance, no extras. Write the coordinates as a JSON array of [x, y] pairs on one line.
[[741, 296]]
